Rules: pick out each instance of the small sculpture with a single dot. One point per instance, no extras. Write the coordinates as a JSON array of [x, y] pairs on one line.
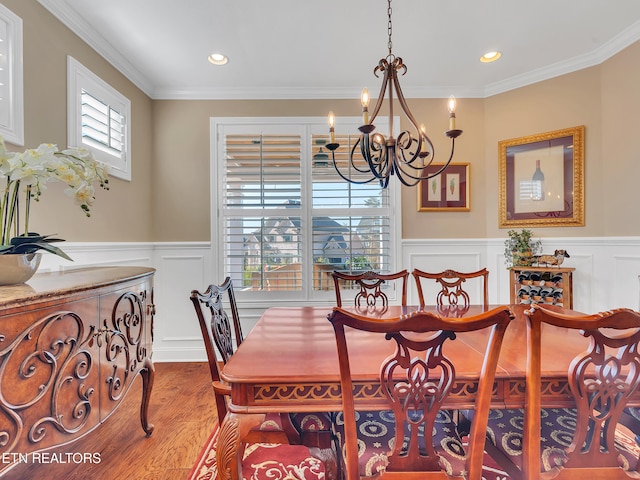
[[556, 259]]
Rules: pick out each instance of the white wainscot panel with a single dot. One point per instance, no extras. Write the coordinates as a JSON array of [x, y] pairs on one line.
[[437, 258], [625, 291], [177, 335]]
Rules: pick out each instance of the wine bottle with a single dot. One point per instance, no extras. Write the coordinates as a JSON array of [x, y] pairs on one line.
[[537, 183]]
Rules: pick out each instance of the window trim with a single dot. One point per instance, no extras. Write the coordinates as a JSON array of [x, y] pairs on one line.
[[307, 295], [13, 131], [81, 78]]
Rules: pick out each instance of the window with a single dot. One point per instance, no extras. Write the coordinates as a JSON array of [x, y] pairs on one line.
[[11, 89], [99, 119], [285, 219]]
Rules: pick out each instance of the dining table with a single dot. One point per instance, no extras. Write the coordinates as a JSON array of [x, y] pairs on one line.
[[289, 363]]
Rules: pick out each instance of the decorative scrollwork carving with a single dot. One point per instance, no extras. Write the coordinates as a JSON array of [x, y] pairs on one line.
[[417, 386], [50, 360], [124, 348], [228, 442]]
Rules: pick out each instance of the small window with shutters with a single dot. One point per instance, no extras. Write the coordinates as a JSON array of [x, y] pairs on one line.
[[98, 119], [283, 218], [11, 77]]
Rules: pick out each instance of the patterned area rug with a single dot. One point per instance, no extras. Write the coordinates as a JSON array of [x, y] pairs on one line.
[[284, 462]]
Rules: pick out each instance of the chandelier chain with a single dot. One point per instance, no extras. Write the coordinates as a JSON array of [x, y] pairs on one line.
[[389, 27]]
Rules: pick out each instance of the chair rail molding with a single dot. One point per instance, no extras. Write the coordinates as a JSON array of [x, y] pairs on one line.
[[607, 276]]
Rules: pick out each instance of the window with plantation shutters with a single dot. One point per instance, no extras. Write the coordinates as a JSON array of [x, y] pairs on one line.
[[11, 77], [98, 119], [283, 218]]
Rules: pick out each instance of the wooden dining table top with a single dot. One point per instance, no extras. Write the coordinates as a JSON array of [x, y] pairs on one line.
[[289, 360]]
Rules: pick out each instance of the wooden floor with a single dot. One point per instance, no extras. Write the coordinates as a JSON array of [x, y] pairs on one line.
[[183, 413]]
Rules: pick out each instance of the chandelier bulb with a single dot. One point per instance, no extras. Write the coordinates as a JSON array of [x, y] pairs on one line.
[[452, 112], [332, 122], [364, 99], [452, 104]]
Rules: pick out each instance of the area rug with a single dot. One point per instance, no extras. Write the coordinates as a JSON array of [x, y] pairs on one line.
[[262, 461], [285, 462]]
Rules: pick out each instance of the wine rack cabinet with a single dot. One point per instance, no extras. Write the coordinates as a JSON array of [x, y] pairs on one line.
[[544, 285]]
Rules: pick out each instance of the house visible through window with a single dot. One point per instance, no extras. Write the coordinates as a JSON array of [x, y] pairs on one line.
[[98, 119], [286, 219]]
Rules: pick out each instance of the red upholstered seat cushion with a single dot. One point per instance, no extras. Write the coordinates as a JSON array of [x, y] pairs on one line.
[[376, 431]]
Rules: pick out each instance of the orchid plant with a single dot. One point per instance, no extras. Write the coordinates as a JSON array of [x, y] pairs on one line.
[[27, 174]]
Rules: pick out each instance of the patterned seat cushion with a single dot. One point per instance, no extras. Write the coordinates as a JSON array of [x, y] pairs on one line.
[[634, 412], [309, 422], [505, 431], [312, 422], [376, 431]]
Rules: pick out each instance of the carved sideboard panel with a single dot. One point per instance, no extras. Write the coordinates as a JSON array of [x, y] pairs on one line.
[[71, 345]]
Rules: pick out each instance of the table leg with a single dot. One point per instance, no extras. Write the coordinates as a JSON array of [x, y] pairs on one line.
[[230, 447]]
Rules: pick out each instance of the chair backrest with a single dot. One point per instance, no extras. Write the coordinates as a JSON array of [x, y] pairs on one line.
[[370, 284], [601, 380], [417, 378], [451, 283], [217, 328]]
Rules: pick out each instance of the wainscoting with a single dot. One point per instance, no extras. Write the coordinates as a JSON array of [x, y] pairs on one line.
[[606, 276]]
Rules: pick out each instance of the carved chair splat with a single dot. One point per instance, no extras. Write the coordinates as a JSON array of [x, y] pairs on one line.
[[370, 284]]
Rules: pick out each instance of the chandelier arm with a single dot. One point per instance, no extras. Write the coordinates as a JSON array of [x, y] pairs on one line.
[[385, 67], [344, 177], [429, 175], [362, 141], [378, 162]]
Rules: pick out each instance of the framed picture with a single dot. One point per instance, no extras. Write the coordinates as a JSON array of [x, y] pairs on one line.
[[447, 192], [542, 180]]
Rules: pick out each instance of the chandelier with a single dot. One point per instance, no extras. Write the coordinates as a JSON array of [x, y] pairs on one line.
[[374, 157]]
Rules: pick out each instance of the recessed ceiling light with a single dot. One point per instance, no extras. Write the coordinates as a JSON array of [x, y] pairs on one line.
[[490, 57], [218, 58]]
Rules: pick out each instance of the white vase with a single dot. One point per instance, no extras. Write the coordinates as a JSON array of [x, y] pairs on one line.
[[18, 268]]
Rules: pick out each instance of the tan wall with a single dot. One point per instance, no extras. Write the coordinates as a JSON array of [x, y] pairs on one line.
[[562, 102], [604, 98], [124, 212], [168, 199], [619, 172], [181, 179]]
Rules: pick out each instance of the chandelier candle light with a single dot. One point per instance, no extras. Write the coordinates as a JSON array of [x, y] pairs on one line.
[[379, 158]]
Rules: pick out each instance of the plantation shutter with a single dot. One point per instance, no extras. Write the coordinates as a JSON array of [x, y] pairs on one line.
[[351, 228], [286, 218], [102, 125], [263, 237]]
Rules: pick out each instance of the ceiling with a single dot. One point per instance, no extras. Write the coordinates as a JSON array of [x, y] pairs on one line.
[[327, 49]]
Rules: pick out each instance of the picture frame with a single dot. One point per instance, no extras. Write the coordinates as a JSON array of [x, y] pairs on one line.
[[542, 179], [447, 192]]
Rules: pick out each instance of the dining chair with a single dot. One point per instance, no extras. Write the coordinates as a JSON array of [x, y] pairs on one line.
[[416, 379], [370, 285], [218, 330], [582, 439], [451, 286]]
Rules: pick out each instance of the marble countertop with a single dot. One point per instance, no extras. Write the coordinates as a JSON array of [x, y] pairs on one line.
[[52, 285]]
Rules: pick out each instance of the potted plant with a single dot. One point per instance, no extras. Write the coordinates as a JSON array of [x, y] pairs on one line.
[[520, 248], [26, 175]]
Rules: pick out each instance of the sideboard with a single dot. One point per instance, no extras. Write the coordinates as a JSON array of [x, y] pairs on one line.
[[71, 345]]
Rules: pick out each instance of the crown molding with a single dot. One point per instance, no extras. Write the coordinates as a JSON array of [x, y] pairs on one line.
[[596, 57], [305, 93], [75, 23]]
